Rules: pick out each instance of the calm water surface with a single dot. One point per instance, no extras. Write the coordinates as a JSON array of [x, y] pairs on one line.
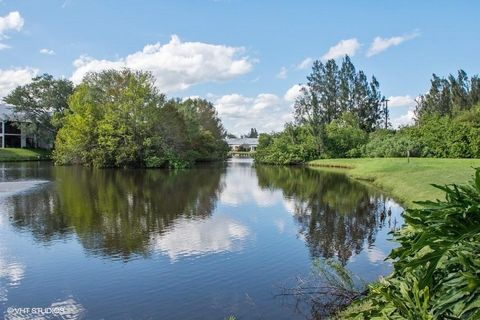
[[204, 243]]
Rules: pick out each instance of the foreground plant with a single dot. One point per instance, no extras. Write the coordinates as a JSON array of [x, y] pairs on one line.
[[437, 266], [329, 288]]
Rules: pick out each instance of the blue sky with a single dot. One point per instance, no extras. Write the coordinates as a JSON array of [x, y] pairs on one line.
[[245, 56]]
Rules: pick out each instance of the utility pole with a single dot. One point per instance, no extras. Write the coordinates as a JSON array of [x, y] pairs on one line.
[[385, 111]]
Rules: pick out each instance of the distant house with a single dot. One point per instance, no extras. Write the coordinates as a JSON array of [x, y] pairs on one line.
[[247, 144], [11, 135]]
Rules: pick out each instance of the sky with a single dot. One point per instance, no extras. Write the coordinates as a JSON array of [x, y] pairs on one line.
[[248, 57]]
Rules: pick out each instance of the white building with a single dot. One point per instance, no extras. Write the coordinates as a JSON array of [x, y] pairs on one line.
[[11, 135], [236, 144]]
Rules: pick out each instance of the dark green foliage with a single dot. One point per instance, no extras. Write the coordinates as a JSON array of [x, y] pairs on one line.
[[343, 137], [332, 91], [333, 114], [252, 134], [449, 95], [118, 119], [294, 145], [342, 113], [437, 266], [435, 136], [387, 143], [456, 136], [42, 105]]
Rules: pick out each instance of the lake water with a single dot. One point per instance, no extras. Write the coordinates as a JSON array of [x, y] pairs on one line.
[[204, 243]]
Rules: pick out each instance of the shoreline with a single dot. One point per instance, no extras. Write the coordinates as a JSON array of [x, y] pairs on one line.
[[24, 154], [406, 181]]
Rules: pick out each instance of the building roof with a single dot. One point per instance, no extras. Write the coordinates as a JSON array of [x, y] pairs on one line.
[[242, 141]]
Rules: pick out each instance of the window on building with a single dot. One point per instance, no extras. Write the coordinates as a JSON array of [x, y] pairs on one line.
[[11, 127], [12, 141]]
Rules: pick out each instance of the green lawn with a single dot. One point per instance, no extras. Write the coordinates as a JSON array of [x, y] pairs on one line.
[[405, 181], [18, 154]]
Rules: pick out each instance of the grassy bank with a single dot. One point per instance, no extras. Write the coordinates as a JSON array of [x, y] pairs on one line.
[[405, 181], [18, 154]]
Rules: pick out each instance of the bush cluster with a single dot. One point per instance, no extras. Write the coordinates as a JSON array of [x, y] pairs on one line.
[[435, 136]]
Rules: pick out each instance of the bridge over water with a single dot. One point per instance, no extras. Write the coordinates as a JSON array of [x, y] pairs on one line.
[[241, 154]]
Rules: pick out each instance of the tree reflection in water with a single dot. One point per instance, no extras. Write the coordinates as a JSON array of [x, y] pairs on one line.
[[115, 212], [335, 214], [121, 213]]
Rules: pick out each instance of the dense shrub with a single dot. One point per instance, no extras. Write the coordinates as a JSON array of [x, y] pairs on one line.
[[386, 143], [457, 136], [343, 137], [294, 145], [435, 136], [437, 266]]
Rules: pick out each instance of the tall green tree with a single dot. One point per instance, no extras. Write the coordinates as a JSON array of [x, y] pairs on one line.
[[332, 92], [110, 120], [346, 85], [41, 105], [459, 89], [449, 95], [119, 119], [206, 133], [377, 116], [360, 97], [474, 94], [308, 112], [330, 95]]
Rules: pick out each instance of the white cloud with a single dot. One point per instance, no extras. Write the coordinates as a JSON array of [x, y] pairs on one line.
[[380, 44], [401, 101], [12, 21], [266, 112], [306, 63], [283, 73], [11, 78], [176, 65], [46, 51], [344, 47], [406, 102], [264, 101], [405, 119], [232, 105], [293, 92]]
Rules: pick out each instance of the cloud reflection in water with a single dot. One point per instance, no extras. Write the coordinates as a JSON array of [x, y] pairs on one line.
[[189, 237]]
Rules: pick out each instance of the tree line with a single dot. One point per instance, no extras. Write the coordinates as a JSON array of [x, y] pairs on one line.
[[450, 95], [341, 114], [336, 110], [118, 119]]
